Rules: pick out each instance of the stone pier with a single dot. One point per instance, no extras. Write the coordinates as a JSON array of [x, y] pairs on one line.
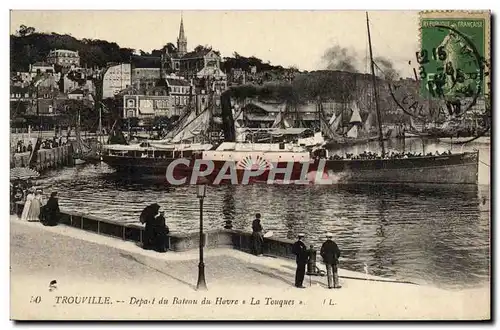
[[178, 242], [47, 158]]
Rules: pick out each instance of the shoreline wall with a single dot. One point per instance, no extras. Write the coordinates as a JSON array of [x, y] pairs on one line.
[[47, 158], [177, 242]]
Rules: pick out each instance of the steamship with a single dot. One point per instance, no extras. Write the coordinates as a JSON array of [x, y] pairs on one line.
[[155, 157], [263, 159]]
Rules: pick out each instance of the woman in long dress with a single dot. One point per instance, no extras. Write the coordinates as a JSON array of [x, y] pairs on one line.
[[51, 216], [36, 204], [27, 204]]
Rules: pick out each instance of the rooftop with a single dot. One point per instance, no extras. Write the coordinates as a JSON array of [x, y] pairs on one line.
[[198, 54], [63, 51], [76, 91], [42, 64], [177, 82]]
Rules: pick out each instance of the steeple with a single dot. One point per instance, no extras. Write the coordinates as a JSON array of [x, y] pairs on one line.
[[181, 40]]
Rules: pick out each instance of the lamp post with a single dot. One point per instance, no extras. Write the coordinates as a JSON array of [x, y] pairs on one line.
[[201, 285]]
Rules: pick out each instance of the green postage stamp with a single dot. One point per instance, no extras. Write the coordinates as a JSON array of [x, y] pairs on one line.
[[454, 56]]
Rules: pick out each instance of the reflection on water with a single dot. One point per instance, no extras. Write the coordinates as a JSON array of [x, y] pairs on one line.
[[436, 234]]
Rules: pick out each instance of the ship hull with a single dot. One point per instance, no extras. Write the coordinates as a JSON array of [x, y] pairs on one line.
[[136, 166], [446, 169], [461, 169]]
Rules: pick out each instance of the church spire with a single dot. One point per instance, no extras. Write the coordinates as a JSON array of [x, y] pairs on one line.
[[182, 40]]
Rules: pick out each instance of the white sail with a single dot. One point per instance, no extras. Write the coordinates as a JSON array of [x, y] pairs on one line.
[[277, 120], [332, 119], [355, 117], [240, 134], [237, 115], [183, 122], [194, 128], [353, 132], [316, 140], [369, 123], [335, 124], [286, 123]]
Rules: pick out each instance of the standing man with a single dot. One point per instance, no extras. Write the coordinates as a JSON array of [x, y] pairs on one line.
[[331, 254], [257, 236], [300, 250]]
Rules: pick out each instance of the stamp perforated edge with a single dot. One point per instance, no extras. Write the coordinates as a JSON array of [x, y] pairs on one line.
[[462, 14]]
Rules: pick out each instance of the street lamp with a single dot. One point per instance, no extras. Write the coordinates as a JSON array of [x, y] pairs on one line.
[[201, 285]]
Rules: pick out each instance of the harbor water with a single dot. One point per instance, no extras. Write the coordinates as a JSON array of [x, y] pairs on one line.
[[436, 235]]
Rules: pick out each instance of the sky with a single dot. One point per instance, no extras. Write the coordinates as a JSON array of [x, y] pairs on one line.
[[286, 37]]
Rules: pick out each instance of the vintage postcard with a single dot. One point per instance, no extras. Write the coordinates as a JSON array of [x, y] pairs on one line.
[[250, 165]]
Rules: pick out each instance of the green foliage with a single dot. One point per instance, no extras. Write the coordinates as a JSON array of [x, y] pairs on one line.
[[245, 63], [200, 48], [69, 109], [29, 46], [25, 30]]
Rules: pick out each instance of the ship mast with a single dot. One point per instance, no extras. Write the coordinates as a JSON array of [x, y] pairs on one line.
[[380, 134]]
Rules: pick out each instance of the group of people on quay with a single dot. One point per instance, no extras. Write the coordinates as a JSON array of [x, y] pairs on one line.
[[390, 155], [35, 207], [330, 253], [45, 144]]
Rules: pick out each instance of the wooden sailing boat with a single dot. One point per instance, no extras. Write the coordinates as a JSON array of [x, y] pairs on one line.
[[375, 91], [82, 151]]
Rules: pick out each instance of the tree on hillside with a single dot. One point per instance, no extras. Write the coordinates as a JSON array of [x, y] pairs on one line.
[[201, 48], [29, 46], [171, 47], [25, 30], [245, 63]]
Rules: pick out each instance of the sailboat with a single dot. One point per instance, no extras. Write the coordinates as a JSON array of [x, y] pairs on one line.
[[460, 168], [154, 156], [359, 131], [82, 150]]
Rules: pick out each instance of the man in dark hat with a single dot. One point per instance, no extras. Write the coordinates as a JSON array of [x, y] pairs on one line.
[[331, 254], [300, 250], [257, 236]]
